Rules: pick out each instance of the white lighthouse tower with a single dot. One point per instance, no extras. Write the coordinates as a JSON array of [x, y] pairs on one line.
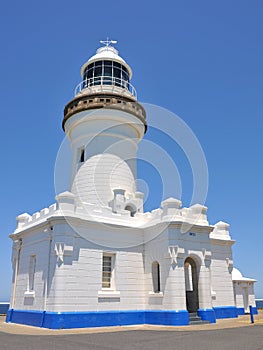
[[94, 258], [105, 123]]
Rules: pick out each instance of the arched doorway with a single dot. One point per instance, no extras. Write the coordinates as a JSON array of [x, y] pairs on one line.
[[191, 285]]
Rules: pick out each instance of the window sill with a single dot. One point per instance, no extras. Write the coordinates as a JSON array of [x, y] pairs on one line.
[[156, 295], [108, 294], [30, 294]]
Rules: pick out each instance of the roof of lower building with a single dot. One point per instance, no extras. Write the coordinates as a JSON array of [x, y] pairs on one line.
[[237, 276]]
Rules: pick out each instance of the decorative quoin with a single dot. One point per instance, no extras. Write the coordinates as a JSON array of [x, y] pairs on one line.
[[175, 252], [94, 258]]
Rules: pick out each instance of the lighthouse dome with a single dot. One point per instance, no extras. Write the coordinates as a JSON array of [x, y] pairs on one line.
[[106, 53]]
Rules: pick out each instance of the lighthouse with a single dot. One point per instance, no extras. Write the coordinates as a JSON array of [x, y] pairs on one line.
[[104, 123], [94, 258]]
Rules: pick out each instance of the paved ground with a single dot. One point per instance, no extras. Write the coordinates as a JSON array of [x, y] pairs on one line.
[[225, 335]]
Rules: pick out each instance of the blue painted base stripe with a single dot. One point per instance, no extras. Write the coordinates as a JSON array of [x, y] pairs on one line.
[[254, 310], [30, 318], [9, 315], [66, 320], [207, 315], [240, 311], [61, 320], [225, 312], [167, 318]]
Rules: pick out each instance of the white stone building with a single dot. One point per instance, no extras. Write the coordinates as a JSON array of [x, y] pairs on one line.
[[94, 258], [243, 291]]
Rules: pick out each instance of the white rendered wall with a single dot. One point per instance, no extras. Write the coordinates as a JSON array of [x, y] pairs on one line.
[[75, 272], [104, 131], [156, 249], [37, 245], [76, 284], [222, 286], [196, 245], [99, 176], [244, 294], [172, 274], [251, 295]]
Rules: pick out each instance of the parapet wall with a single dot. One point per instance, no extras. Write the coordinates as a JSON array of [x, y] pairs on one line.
[[67, 205]]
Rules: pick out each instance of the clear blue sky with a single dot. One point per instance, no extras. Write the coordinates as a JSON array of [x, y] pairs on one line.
[[200, 59]]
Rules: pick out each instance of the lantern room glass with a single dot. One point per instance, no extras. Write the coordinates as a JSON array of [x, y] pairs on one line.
[[106, 73]]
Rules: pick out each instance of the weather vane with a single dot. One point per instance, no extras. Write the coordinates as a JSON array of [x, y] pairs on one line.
[[108, 42]]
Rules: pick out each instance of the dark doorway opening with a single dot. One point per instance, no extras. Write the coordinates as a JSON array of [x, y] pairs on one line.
[[191, 285]]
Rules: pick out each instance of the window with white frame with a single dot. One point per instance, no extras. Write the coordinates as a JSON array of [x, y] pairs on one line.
[[108, 271], [32, 270], [156, 277]]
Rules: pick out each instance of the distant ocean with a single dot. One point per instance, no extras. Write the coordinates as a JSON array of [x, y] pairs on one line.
[[4, 306], [259, 303]]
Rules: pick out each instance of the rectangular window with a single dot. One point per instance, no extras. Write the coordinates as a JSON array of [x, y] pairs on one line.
[[81, 154], [32, 269], [107, 271], [156, 277]]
